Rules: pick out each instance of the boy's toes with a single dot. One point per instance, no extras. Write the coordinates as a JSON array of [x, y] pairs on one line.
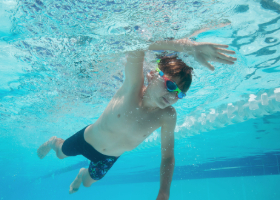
[[41, 154], [73, 190]]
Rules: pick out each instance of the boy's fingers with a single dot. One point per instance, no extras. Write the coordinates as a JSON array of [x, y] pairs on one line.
[[224, 51], [226, 57], [206, 64], [221, 45], [218, 45], [224, 61]]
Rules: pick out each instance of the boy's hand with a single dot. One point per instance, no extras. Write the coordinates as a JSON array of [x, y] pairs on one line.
[[162, 196], [204, 52]]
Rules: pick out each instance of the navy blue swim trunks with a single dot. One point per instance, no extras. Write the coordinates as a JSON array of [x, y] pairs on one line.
[[100, 163]]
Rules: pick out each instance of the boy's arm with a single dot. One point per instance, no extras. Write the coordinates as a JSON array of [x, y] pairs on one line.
[[183, 45], [203, 52], [134, 77], [167, 153]]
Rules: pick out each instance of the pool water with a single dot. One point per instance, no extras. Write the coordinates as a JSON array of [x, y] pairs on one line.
[[62, 61]]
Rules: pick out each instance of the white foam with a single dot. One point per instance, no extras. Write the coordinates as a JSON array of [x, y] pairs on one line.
[[277, 94], [264, 99], [277, 90], [230, 110], [252, 97]]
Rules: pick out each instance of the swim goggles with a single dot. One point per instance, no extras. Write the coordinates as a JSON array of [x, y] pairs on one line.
[[171, 85]]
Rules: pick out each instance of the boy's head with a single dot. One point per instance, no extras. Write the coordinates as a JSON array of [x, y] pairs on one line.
[[177, 71], [173, 67]]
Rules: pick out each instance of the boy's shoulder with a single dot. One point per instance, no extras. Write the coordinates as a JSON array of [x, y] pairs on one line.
[[169, 114], [170, 110]]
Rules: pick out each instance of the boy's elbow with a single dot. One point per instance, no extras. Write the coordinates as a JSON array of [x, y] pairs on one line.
[[136, 54]]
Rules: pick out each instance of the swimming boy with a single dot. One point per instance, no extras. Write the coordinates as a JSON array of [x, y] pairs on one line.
[[136, 111]]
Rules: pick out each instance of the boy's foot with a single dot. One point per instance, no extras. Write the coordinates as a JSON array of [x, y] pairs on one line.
[[73, 190], [45, 148], [74, 187]]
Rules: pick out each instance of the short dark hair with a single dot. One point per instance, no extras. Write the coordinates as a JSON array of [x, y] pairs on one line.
[[174, 67]]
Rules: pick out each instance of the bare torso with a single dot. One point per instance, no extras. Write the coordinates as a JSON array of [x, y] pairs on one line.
[[123, 125]]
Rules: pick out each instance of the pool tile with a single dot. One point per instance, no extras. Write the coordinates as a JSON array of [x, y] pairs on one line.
[[269, 160], [270, 170], [245, 161], [257, 170], [235, 172], [278, 159], [197, 175], [256, 161], [211, 165], [234, 163], [246, 171], [211, 174]]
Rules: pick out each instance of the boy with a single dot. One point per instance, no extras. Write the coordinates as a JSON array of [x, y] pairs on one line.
[[136, 111]]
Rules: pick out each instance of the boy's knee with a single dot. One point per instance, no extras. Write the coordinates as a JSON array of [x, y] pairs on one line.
[[87, 184], [59, 152], [60, 155], [87, 179]]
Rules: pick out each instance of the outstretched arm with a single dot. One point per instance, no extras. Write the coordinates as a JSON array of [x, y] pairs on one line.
[[203, 52], [134, 77], [167, 154]]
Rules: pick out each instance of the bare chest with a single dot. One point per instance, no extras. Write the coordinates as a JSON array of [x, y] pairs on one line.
[[130, 120], [123, 125]]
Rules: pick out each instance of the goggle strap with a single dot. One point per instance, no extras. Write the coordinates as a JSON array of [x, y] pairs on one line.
[[159, 71]]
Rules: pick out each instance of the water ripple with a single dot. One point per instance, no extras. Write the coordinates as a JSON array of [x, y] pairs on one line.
[[73, 51]]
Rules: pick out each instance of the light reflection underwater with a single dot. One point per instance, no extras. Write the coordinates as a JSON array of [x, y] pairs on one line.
[[60, 66]]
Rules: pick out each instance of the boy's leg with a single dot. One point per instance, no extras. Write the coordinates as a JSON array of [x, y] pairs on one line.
[[53, 143], [96, 171], [82, 177]]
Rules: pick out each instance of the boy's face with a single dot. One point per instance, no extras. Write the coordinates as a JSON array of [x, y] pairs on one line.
[[161, 96]]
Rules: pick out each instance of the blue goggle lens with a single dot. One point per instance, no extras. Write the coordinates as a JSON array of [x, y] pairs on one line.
[[171, 86], [181, 95]]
